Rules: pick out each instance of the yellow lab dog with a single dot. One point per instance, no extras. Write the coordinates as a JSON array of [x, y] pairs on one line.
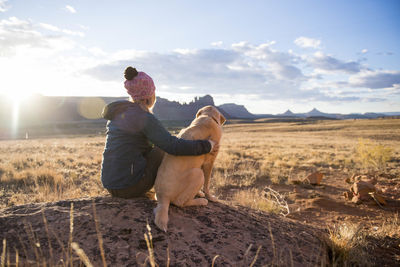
[[180, 178]]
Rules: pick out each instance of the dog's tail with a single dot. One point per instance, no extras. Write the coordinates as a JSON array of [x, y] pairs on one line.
[[161, 214]]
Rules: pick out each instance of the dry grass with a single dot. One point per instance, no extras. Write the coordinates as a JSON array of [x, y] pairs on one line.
[[44, 170], [252, 157], [350, 244], [255, 199], [256, 155], [66, 255], [389, 227], [372, 155], [346, 246]]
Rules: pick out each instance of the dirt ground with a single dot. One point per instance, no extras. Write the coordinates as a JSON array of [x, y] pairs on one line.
[[325, 203], [324, 206], [197, 236]]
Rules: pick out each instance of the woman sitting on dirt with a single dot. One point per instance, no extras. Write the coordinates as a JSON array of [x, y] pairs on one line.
[[136, 140]]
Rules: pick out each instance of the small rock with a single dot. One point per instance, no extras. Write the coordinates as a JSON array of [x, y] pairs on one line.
[[296, 182], [356, 178], [362, 189], [348, 195], [348, 180], [372, 180], [315, 178], [356, 200], [378, 198]]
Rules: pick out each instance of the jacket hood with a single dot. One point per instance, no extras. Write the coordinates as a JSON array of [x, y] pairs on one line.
[[115, 108]]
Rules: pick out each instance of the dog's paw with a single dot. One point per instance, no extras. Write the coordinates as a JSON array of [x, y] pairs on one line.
[[200, 194], [162, 226], [160, 220], [202, 202], [211, 198]]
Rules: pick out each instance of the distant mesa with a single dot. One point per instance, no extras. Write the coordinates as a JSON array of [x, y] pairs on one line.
[[236, 111], [58, 115], [173, 110], [51, 110], [288, 113], [315, 112]]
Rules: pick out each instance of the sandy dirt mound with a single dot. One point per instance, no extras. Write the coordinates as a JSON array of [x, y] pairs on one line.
[[195, 236]]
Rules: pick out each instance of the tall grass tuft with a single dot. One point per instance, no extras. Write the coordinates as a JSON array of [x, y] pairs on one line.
[[372, 155], [3, 254], [82, 255], [99, 237], [254, 199], [71, 230], [260, 200], [345, 246], [149, 242]]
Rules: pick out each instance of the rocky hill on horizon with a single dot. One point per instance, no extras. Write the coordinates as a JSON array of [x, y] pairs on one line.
[[42, 110], [315, 113], [237, 111], [47, 110]]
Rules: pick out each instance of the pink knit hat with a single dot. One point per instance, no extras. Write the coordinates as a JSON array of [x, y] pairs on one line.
[[140, 87]]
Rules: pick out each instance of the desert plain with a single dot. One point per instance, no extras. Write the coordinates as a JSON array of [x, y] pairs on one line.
[[55, 212]]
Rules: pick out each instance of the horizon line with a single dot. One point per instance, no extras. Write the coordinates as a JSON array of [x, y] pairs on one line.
[[127, 97]]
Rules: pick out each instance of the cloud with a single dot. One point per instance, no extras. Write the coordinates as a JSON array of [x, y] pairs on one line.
[[246, 69], [70, 9], [97, 51], [282, 71], [364, 51], [243, 69], [281, 65], [49, 27], [217, 44], [56, 29], [254, 70], [3, 6], [17, 34], [385, 53], [330, 64], [376, 79], [306, 42]]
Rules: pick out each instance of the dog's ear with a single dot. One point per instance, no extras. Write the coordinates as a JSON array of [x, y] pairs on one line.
[[199, 112], [222, 119]]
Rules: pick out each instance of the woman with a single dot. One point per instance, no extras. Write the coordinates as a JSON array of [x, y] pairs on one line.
[[136, 140]]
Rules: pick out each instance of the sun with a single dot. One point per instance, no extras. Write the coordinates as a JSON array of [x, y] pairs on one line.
[[17, 97]]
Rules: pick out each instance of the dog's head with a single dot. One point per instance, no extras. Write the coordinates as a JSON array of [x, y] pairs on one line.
[[212, 112]]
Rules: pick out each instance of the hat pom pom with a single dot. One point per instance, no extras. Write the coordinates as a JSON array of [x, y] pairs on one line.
[[130, 73]]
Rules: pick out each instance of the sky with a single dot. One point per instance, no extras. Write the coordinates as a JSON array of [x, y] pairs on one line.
[[270, 56]]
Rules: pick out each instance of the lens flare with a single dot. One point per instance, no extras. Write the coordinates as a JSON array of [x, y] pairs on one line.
[[15, 117], [91, 107], [16, 99]]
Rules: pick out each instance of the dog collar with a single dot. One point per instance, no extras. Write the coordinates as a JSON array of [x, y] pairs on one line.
[[215, 120]]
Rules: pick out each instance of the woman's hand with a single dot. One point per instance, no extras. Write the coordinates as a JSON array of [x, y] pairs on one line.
[[214, 146]]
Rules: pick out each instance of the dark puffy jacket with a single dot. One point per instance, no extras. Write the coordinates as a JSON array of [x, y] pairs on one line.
[[131, 132]]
